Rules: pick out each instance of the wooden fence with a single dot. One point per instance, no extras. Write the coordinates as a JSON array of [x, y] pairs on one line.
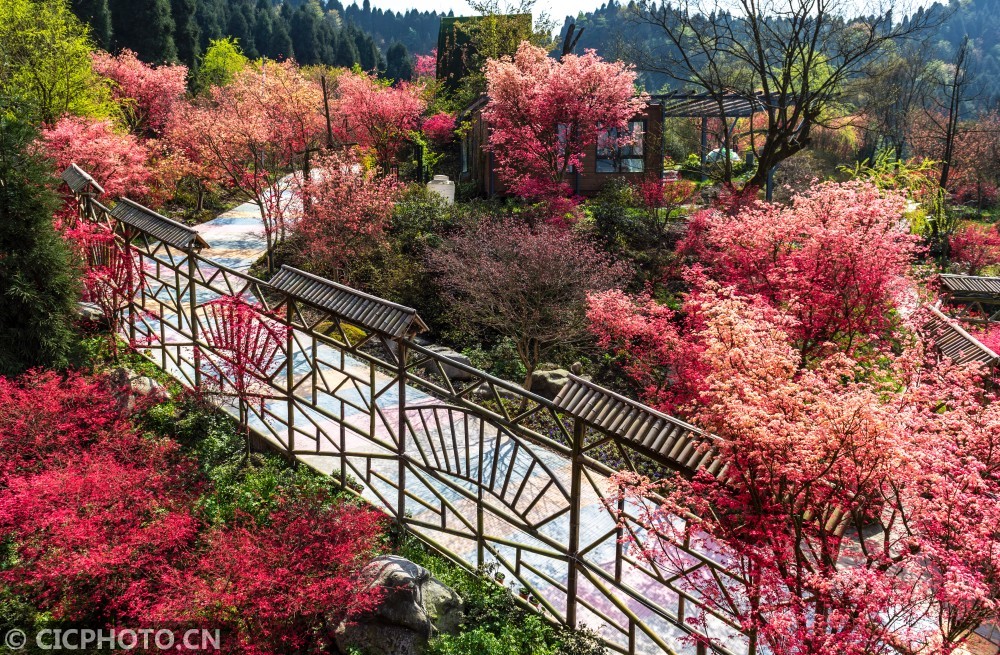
[[481, 470]]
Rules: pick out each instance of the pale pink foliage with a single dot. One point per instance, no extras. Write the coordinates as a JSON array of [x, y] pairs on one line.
[[117, 161], [347, 210], [146, 94], [544, 113], [813, 458], [376, 115], [250, 132]]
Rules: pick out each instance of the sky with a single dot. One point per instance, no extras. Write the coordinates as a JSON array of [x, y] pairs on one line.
[[558, 9]]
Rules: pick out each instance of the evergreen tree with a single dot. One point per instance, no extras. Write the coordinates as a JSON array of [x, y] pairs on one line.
[[347, 52], [368, 55], [281, 43], [37, 284], [96, 14], [186, 31], [398, 65], [145, 27], [239, 29], [305, 36]]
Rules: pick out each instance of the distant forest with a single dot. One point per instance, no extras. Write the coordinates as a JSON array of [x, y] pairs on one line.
[[606, 27], [330, 32]]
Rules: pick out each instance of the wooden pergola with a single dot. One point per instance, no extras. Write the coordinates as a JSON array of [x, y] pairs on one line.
[[680, 104]]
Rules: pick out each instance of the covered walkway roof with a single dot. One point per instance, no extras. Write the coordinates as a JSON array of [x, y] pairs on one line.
[[701, 105]]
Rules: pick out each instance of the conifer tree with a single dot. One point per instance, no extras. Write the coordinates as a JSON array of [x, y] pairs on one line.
[[186, 32], [398, 65], [96, 14], [37, 286], [144, 26]]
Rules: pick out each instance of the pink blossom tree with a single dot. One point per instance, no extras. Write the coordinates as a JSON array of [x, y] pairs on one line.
[[425, 66], [146, 94], [377, 115], [250, 133], [844, 512], [544, 113], [347, 210], [440, 128], [974, 247], [119, 162], [836, 260]]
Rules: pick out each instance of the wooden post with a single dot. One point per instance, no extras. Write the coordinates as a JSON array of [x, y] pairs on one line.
[[326, 111], [576, 485], [193, 320], [400, 429], [290, 376]]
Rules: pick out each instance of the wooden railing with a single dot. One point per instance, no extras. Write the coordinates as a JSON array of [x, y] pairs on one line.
[[483, 471]]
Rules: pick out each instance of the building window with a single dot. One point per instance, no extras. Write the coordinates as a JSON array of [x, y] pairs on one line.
[[615, 158]]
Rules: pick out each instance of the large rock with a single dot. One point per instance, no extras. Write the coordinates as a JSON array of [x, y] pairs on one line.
[[88, 311], [453, 372], [415, 607], [548, 384]]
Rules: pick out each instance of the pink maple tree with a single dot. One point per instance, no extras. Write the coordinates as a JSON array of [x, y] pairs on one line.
[[974, 247], [118, 161], [146, 94], [250, 133], [347, 210], [836, 260], [425, 66], [440, 128], [377, 115], [544, 113], [845, 510]]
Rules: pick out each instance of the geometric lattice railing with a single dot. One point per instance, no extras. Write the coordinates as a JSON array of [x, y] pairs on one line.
[[478, 468]]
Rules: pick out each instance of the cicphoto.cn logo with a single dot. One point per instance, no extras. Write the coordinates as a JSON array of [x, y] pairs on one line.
[[74, 639]]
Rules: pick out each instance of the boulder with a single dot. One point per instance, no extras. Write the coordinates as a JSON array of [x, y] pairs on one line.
[[414, 607], [548, 384], [453, 372], [88, 311], [148, 387]]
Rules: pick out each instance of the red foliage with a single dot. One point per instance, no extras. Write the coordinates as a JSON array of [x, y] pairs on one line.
[[102, 521], [119, 162], [835, 260], [284, 585], [112, 274], [426, 66], [95, 535], [146, 94], [544, 113], [348, 210], [974, 247], [440, 128], [45, 414], [378, 116], [813, 458]]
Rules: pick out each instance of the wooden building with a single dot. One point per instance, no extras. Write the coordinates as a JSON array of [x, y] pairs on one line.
[[600, 164]]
